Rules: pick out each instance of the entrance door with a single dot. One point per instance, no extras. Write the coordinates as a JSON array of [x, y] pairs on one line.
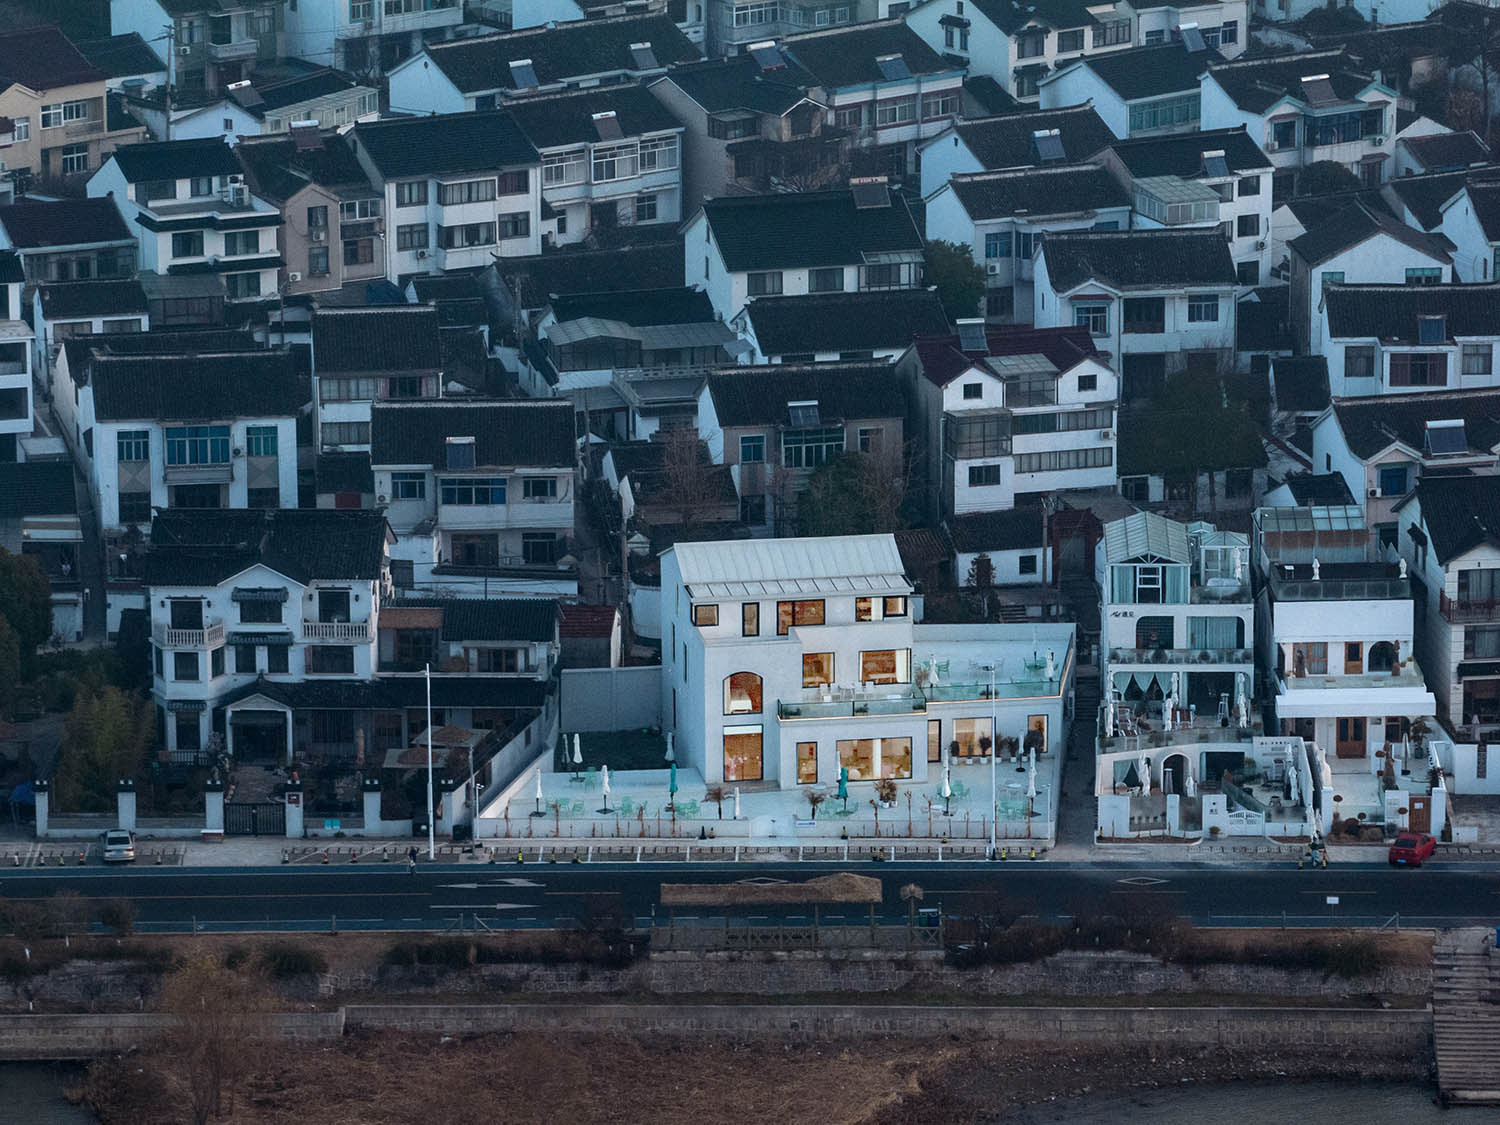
[[742, 754], [1421, 814], [1350, 742]]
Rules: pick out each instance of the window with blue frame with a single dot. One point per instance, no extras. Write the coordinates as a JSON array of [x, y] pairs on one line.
[[997, 245], [473, 491], [1393, 479], [197, 445]]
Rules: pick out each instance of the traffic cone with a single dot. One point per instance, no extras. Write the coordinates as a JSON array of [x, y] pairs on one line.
[[325, 857]]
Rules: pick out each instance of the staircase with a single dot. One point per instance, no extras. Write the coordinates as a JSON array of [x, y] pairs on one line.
[[1466, 1016]]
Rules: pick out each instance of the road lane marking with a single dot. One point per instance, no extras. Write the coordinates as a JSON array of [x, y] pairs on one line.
[[484, 906], [1332, 891], [499, 883]]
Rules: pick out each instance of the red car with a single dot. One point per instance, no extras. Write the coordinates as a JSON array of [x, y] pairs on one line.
[[1411, 848]]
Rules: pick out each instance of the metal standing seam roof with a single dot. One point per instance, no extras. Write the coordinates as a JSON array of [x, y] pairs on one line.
[[1316, 518], [843, 564], [1146, 533]]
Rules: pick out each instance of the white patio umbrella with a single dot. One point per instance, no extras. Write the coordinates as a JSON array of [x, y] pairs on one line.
[[947, 791], [1190, 787], [1031, 780], [604, 786], [1109, 717], [1168, 705], [1051, 666], [736, 802], [1293, 786], [538, 810], [577, 750], [932, 676], [671, 754], [1241, 704], [1143, 769]]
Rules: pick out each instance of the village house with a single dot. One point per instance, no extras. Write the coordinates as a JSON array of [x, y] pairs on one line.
[[68, 240], [16, 344], [1027, 139], [251, 108], [1471, 222], [366, 36], [211, 45], [1137, 92], [39, 520], [361, 356], [70, 309], [823, 327]]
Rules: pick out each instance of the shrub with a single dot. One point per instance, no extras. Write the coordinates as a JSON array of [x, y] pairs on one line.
[[119, 916], [283, 960], [1353, 957], [236, 957], [448, 953]]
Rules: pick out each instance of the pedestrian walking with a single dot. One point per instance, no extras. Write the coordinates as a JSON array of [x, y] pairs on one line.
[[411, 860]]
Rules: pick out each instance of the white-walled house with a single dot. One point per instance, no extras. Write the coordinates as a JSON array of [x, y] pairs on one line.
[[855, 239], [1205, 179], [1362, 244], [1471, 222], [1001, 216], [486, 71], [826, 675], [1401, 339], [1449, 537], [1154, 301], [194, 212], [1383, 445], [367, 354], [16, 344], [1071, 134], [207, 44], [1137, 92], [367, 36], [1305, 108], [83, 308], [1442, 150], [876, 324], [610, 158], [1006, 418], [1289, 11], [1338, 635], [459, 189], [479, 495], [1222, 24], [177, 430]]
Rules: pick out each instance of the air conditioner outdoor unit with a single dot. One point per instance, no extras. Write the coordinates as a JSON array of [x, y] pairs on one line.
[[992, 268], [239, 452], [1105, 435], [421, 254], [1378, 140], [1261, 245], [294, 277], [318, 234], [237, 194], [1374, 492], [184, 50], [234, 178], [380, 500]]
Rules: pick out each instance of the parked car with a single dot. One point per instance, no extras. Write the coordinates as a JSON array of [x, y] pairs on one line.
[[119, 846], [1411, 848]]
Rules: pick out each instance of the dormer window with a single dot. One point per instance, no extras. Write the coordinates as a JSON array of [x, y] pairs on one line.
[[1432, 329], [460, 452]]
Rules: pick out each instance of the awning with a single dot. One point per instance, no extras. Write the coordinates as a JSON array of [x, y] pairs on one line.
[[258, 638], [1471, 668], [189, 705], [259, 594]]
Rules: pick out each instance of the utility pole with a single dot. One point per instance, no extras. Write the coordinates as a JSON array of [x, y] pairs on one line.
[[171, 78]]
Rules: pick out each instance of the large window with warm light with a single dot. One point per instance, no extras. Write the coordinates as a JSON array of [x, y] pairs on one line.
[[868, 759], [742, 694], [885, 666], [817, 668]]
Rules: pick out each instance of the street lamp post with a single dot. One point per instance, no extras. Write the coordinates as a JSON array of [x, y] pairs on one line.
[[989, 666]]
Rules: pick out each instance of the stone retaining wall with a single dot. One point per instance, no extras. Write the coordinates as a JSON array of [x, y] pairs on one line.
[[84, 1036]]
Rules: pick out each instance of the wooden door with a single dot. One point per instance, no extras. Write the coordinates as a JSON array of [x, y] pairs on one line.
[[1421, 814], [1354, 658], [1351, 738]]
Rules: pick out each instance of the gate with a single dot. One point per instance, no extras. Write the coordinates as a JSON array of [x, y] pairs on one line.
[[257, 818]]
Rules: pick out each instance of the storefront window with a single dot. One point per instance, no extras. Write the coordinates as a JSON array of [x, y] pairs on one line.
[[867, 759], [968, 732], [742, 754], [807, 763]]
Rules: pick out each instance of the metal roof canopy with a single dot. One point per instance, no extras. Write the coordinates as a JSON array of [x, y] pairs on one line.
[[1146, 534], [770, 567]]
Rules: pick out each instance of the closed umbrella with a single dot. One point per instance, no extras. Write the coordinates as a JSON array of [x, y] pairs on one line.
[[947, 791], [1189, 785], [843, 793], [1051, 667], [672, 788], [1109, 717], [1143, 768], [736, 802], [604, 783], [932, 673], [577, 752], [671, 753], [538, 811], [1031, 779]]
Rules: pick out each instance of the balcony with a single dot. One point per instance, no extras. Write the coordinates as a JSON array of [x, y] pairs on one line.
[[85, 128], [218, 472], [843, 703], [1468, 611], [234, 50], [210, 636], [356, 632], [1180, 656]]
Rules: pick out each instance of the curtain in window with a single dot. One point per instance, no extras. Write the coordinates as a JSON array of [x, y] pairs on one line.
[[1211, 632], [1176, 581], [1122, 585]]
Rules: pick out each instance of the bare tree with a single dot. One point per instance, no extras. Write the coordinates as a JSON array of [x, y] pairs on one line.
[[1478, 52], [689, 486], [215, 1014]]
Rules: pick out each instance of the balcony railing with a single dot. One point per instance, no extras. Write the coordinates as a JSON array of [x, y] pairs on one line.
[[358, 631], [1180, 656], [213, 471], [238, 49], [210, 636], [892, 699], [1468, 611]]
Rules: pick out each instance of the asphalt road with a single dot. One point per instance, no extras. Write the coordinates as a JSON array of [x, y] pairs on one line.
[[178, 899]]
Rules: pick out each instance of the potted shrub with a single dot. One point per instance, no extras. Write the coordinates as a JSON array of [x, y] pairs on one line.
[[985, 743], [814, 799], [716, 794], [1036, 740], [885, 792]]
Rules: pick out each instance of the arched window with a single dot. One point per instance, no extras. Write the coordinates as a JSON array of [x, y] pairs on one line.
[[1382, 656], [742, 694]]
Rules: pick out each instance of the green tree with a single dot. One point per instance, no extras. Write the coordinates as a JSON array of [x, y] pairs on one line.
[[959, 280], [25, 601], [105, 738], [855, 494], [10, 666], [1324, 176]]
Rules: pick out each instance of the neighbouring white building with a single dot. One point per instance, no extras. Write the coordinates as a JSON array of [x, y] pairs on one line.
[[368, 36], [16, 342], [1471, 222], [1069, 135], [788, 661], [1137, 92]]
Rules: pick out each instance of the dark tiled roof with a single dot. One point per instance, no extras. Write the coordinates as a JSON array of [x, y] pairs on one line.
[[1391, 312], [196, 387], [589, 620], [1370, 425], [36, 488], [1051, 190], [1301, 383], [176, 160], [278, 169], [444, 143], [491, 619], [42, 58], [1485, 199], [846, 56], [1448, 152], [757, 396], [989, 95], [63, 222], [344, 472], [998, 531], [921, 548], [1012, 15], [448, 287], [739, 83], [1150, 259], [538, 278], [639, 308], [383, 338], [198, 547], [1006, 141], [557, 53], [842, 322], [1161, 443], [816, 228], [534, 434], [1256, 84], [1460, 513], [119, 56], [943, 360], [1181, 154], [1355, 224], [11, 270], [1149, 72], [396, 692], [1264, 324], [1315, 210], [1394, 45], [1425, 195], [1323, 489], [300, 88], [568, 119], [92, 298]]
